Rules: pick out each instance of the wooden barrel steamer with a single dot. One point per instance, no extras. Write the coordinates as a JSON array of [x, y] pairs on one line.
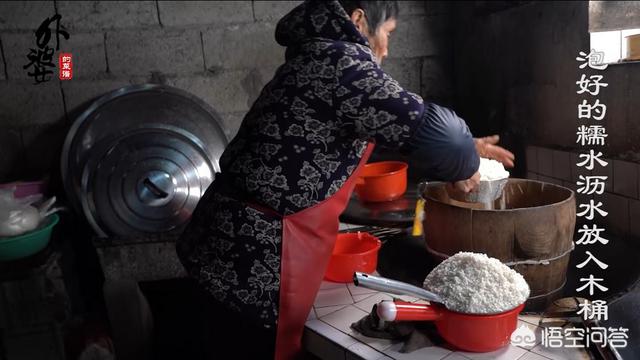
[[533, 233]]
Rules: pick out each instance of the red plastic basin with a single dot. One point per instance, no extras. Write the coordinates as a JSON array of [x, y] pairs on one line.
[[352, 252], [382, 181]]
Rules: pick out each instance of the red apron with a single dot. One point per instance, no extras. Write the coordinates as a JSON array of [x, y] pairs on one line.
[[308, 237]]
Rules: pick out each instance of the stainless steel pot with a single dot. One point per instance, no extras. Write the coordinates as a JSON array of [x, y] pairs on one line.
[[139, 158]]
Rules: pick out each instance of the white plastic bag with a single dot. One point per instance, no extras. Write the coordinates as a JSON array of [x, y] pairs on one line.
[[19, 216]]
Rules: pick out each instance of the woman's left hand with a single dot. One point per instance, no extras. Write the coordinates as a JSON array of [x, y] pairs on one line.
[[487, 148]]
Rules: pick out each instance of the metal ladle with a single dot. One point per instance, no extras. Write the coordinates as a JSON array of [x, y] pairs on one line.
[[394, 287]]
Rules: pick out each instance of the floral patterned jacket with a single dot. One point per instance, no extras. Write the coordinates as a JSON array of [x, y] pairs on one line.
[[302, 139], [306, 132]]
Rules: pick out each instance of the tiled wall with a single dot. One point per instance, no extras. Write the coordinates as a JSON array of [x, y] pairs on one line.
[[622, 190]]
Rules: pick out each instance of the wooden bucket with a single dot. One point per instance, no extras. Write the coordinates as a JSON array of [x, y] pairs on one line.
[[530, 228]]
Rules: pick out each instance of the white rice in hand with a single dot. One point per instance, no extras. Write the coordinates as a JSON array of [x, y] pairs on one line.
[[492, 170], [477, 284]]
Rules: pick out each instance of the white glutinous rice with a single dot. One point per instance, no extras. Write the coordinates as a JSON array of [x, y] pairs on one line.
[[492, 170], [474, 283]]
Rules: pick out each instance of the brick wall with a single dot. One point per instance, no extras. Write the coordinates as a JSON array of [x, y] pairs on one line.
[[223, 52]]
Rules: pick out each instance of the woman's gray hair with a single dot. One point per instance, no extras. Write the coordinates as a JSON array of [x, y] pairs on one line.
[[376, 12]]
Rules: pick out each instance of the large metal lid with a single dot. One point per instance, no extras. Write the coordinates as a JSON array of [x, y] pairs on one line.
[[139, 158]]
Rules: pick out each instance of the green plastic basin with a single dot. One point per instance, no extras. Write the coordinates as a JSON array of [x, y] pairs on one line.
[[21, 246]]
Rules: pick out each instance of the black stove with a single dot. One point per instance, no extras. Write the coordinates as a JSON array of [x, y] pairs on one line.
[[391, 214]]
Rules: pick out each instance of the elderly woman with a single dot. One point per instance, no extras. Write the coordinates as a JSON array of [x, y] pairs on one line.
[[261, 237]]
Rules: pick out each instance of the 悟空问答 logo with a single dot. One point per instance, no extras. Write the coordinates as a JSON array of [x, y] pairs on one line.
[[523, 336]]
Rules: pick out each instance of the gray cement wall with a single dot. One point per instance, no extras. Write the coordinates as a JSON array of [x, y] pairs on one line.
[[516, 73], [223, 52]]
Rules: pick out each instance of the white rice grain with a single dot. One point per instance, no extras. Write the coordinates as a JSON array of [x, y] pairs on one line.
[[492, 170], [474, 283]]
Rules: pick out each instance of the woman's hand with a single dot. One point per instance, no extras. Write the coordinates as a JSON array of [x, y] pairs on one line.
[[487, 148], [466, 186]]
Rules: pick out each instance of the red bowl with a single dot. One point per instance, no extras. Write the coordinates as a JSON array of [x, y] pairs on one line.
[[382, 181], [352, 252]]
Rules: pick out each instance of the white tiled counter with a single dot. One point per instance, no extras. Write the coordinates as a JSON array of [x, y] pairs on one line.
[[328, 334]]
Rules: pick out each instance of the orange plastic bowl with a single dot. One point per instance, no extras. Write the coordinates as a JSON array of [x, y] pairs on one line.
[[352, 252], [382, 181]]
